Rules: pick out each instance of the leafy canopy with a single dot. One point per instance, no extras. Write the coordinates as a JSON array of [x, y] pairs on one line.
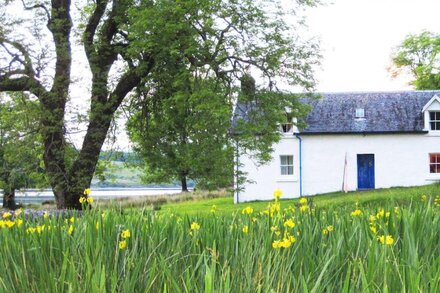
[[420, 56], [180, 121]]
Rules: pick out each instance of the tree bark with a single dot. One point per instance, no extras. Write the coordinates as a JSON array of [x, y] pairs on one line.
[[9, 199], [184, 184]]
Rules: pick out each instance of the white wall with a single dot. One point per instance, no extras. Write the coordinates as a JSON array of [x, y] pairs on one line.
[[400, 160], [268, 177]]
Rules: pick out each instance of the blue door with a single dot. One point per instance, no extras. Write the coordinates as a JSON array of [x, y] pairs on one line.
[[365, 165]]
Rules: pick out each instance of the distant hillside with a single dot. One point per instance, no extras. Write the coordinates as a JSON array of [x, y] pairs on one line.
[[119, 174]]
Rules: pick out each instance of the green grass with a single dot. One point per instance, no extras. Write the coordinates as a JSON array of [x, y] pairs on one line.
[[233, 252], [225, 205]]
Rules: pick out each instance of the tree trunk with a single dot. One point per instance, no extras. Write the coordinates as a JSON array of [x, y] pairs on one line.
[[184, 184], [9, 199]]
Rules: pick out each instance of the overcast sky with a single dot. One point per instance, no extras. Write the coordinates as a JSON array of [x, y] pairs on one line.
[[358, 36]]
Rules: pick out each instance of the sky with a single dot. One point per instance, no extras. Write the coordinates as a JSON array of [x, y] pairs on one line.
[[358, 38]]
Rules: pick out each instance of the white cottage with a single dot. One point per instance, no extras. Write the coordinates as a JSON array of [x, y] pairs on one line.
[[353, 141]]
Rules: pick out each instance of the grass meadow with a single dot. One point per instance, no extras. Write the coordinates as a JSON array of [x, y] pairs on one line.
[[301, 245]]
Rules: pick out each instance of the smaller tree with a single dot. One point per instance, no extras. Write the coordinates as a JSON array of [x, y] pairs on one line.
[[420, 56], [21, 149], [181, 133]]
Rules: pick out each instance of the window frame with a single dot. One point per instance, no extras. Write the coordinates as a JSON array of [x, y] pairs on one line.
[[435, 164], [435, 121], [288, 167]]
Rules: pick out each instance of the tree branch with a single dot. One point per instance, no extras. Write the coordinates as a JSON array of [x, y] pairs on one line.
[[21, 84], [92, 25], [27, 62], [36, 6]]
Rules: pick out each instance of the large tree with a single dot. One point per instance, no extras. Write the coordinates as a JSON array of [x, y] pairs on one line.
[[420, 56], [122, 52], [181, 118]]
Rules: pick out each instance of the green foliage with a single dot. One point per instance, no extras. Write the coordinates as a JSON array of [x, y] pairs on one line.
[[163, 254], [420, 55], [21, 148], [181, 118]]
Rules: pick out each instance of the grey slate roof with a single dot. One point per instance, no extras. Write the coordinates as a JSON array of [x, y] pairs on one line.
[[385, 112]]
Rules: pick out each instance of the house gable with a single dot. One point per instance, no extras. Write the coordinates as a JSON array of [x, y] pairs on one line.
[[432, 105], [431, 114]]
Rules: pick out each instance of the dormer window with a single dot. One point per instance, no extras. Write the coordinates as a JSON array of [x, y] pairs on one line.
[[434, 120], [431, 113], [288, 125], [360, 113]]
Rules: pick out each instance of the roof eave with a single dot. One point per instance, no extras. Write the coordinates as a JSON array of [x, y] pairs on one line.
[[363, 132]]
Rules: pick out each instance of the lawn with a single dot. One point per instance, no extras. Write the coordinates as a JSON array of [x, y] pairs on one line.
[[225, 205], [385, 240]]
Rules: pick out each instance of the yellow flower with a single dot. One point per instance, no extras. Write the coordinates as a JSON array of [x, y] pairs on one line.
[[285, 243], [82, 200], [276, 244], [245, 229], [289, 223], [9, 223], [40, 229], [356, 212], [272, 209], [274, 228], [70, 231], [372, 218], [254, 219], [46, 215], [277, 194], [213, 209], [387, 240], [396, 210], [303, 201], [72, 219], [125, 234], [30, 230], [19, 222], [327, 230], [247, 211], [291, 238], [373, 229], [122, 244], [87, 192], [380, 213], [6, 215], [18, 212], [90, 200], [303, 208], [423, 198], [195, 226]]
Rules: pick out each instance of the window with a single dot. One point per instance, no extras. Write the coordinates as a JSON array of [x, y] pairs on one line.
[[286, 127], [434, 120], [360, 113], [287, 165], [434, 163]]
